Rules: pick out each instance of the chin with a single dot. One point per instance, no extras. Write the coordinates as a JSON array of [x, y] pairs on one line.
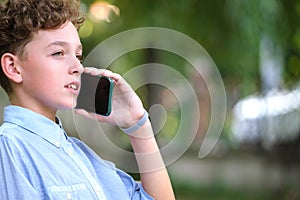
[[68, 106]]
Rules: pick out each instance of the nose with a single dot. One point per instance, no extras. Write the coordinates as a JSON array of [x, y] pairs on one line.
[[77, 68]]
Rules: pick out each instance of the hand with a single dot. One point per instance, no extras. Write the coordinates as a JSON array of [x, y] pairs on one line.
[[127, 108]]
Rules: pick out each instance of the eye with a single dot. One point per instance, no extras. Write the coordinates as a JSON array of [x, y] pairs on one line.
[[80, 58], [58, 53]]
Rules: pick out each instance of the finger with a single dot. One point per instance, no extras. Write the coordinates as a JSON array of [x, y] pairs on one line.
[[89, 115], [94, 71], [103, 72]]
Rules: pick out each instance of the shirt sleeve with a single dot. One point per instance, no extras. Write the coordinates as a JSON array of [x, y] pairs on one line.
[[134, 188], [13, 181]]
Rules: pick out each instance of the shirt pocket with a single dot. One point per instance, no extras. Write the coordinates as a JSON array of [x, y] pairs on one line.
[[75, 191]]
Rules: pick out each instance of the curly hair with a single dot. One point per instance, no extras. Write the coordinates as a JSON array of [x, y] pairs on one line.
[[19, 19]]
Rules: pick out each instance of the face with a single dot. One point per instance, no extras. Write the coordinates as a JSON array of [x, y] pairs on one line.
[[51, 70]]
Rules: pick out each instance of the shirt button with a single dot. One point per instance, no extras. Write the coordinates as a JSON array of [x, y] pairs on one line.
[[69, 196], [70, 151], [97, 188]]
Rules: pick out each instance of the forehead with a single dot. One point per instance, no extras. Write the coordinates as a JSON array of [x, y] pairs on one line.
[[65, 35]]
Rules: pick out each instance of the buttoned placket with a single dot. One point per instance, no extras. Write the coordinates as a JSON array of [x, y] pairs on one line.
[[69, 150]]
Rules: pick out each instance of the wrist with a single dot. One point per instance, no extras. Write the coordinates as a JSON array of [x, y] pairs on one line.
[[137, 124]]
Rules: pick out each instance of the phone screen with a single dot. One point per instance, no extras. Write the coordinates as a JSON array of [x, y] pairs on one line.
[[95, 94]]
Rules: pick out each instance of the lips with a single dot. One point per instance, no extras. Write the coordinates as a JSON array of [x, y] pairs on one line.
[[74, 86]]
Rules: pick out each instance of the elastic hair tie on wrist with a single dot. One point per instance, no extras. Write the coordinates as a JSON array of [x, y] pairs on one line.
[[138, 125]]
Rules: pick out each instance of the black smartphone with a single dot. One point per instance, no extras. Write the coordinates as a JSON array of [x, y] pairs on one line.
[[95, 94]]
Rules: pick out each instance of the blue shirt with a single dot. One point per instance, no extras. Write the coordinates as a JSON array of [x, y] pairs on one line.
[[39, 161]]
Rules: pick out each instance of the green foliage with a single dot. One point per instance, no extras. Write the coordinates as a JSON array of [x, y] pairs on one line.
[[230, 31]]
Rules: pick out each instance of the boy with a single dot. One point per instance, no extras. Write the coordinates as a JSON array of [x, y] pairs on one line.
[[40, 71]]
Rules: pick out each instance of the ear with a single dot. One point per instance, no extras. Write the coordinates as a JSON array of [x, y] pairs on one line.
[[10, 67]]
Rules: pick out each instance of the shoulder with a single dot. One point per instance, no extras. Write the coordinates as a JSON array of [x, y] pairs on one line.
[[8, 131], [10, 143], [12, 139]]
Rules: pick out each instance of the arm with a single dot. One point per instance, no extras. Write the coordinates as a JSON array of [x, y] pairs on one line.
[[154, 175], [127, 109]]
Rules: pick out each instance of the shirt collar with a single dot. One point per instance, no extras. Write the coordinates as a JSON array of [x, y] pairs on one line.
[[35, 123]]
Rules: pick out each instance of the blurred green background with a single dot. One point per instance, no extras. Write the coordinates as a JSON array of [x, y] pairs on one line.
[[256, 46]]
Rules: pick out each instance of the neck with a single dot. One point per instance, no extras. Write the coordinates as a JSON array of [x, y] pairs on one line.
[[42, 110]]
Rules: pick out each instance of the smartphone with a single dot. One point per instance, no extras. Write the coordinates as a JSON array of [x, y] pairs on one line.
[[95, 94]]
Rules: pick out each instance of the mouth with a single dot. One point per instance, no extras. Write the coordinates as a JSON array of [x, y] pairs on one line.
[[73, 86]]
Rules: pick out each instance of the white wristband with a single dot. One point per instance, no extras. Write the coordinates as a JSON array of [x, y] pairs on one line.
[[138, 125]]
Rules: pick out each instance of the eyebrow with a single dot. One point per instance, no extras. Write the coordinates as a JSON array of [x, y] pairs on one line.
[[63, 44]]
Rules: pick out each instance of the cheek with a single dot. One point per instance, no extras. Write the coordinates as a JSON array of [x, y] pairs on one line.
[[41, 82], [37, 72], [35, 78], [42, 74]]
